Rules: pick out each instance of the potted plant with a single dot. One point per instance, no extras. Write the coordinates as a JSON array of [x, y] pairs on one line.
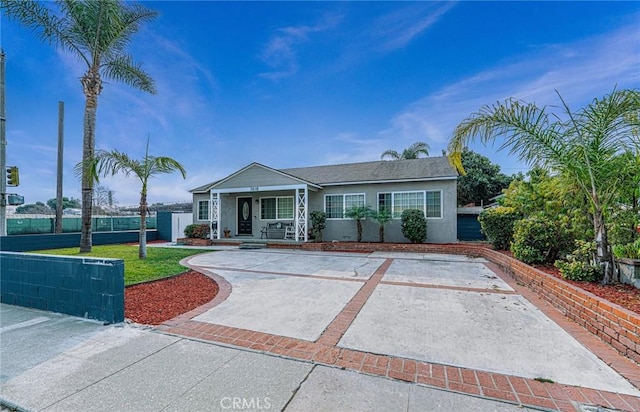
[[628, 259], [196, 235]]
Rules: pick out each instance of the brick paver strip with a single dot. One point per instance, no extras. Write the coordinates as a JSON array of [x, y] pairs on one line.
[[515, 389]]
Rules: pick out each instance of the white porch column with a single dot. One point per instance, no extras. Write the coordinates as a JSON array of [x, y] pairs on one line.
[[302, 213], [214, 212]]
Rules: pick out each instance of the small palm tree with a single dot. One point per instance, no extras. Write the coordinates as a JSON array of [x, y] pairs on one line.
[[412, 152], [113, 162], [358, 213], [97, 33], [382, 216]]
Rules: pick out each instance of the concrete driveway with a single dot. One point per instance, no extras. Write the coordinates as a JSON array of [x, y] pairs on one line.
[[442, 309]]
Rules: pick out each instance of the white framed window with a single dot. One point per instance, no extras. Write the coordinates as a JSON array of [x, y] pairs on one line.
[[335, 205], [203, 210], [275, 208], [429, 201]]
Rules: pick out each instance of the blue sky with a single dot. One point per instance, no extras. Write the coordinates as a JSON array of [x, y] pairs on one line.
[[310, 83]]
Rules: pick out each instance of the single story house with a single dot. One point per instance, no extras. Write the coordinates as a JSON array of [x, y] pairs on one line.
[[257, 197]]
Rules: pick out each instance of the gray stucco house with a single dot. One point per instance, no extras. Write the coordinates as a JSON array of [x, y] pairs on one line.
[[256, 196]]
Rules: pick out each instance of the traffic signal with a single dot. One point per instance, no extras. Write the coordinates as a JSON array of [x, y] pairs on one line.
[[13, 177]]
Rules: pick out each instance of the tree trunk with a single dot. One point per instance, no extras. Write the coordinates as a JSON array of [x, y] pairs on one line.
[[604, 254], [92, 86], [359, 228], [142, 238], [381, 232]]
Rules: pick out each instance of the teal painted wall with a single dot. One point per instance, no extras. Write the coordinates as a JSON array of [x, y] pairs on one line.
[[26, 243], [87, 287]]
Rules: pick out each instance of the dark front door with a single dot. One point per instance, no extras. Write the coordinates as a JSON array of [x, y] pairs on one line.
[[245, 222]]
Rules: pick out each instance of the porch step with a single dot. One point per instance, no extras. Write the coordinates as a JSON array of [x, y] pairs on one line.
[[248, 245]]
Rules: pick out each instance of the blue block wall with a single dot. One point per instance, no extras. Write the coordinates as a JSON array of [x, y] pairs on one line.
[[88, 287], [164, 225], [25, 243]]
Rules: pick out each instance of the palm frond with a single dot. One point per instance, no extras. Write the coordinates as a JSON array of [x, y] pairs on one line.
[[122, 68], [390, 153]]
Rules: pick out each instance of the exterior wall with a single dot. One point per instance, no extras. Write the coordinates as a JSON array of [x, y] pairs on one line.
[[442, 230], [87, 287]]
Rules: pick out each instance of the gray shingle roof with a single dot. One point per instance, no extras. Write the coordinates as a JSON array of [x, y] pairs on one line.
[[377, 171]]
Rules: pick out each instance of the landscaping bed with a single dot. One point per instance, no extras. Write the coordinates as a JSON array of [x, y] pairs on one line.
[[154, 302]]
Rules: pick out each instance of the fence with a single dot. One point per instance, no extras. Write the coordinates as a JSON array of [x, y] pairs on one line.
[[72, 224]]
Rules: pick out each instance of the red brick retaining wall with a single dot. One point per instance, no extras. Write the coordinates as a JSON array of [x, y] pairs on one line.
[[612, 323]]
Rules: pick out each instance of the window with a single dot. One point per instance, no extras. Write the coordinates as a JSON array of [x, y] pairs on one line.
[[430, 202], [384, 202], [335, 205], [434, 204], [273, 208], [203, 210]]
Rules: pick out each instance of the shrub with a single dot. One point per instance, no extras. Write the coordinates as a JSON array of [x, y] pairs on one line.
[[580, 264], [197, 231], [538, 239], [622, 227], [414, 225], [318, 223], [497, 224], [628, 251]]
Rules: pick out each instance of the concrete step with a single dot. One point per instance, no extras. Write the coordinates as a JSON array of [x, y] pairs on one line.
[[248, 245]]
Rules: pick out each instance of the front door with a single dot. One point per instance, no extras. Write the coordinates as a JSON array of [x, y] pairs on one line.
[[245, 222]]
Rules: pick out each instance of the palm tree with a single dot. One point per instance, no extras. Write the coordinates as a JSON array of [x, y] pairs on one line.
[[412, 152], [358, 213], [382, 216], [97, 32], [113, 162], [586, 146]]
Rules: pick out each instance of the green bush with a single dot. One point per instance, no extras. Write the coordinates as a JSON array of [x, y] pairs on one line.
[[497, 224], [197, 231], [628, 251], [318, 223], [538, 239], [622, 227], [580, 264], [414, 225]]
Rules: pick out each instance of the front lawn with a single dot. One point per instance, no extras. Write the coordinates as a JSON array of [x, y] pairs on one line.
[[160, 262]]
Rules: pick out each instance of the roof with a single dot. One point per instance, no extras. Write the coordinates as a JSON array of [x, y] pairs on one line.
[[428, 168], [378, 171]]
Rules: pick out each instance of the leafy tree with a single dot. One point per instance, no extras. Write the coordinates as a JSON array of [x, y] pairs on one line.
[[67, 203], [97, 33], [37, 208], [497, 224], [382, 216], [585, 146], [358, 213], [412, 152], [482, 181], [110, 163]]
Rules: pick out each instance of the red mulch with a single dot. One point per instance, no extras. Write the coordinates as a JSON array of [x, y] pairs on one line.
[[155, 302]]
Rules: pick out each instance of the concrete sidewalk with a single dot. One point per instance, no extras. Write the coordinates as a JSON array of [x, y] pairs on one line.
[[53, 362]]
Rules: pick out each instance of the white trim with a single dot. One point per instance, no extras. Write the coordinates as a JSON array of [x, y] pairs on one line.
[[254, 189], [255, 164], [198, 209], [324, 203], [367, 182]]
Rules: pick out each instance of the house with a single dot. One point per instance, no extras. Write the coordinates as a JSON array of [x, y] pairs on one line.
[[256, 196]]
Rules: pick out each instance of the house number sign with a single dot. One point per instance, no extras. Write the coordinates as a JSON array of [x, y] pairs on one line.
[[254, 188]]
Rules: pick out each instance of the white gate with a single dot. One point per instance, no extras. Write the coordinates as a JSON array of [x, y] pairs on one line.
[[178, 222]]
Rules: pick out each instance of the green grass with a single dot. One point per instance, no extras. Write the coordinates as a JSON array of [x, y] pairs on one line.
[[160, 262]]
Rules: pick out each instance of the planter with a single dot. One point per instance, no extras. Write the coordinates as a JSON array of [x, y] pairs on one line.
[[227, 233], [189, 241], [629, 271]]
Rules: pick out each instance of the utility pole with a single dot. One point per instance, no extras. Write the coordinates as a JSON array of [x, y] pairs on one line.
[[3, 150], [60, 162]]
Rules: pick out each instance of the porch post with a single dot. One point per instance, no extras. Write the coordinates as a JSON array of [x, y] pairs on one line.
[[215, 215], [302, 213]]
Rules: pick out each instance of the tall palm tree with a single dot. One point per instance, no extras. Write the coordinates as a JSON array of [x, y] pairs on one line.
[[97, 32], [412, 152], [113, 162], [586, 146]]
